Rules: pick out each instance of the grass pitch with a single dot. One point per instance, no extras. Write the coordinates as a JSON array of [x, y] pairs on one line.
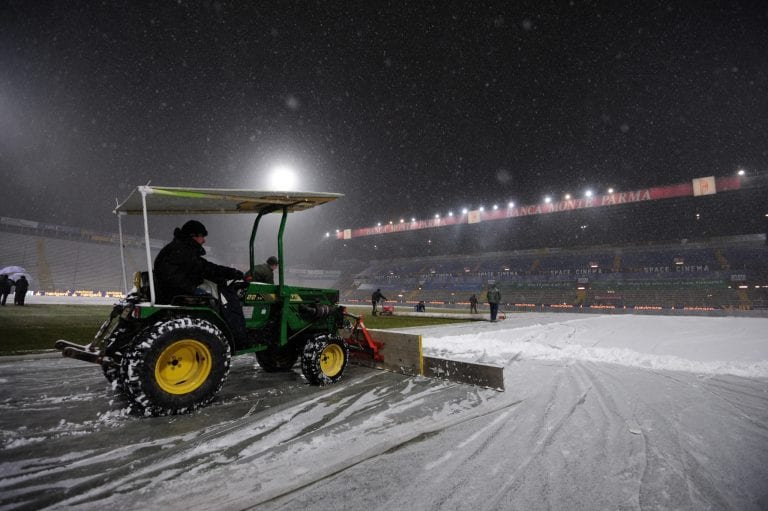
[[36, 327]]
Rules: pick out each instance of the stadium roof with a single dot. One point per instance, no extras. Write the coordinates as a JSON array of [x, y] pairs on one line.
[[175, 200]]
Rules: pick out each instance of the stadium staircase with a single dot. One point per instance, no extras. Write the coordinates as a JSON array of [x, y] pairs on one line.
[[721, 260], [616, 266], [744, 302], [44, 276]]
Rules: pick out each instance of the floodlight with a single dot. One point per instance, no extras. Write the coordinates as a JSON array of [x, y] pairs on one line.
[[741, 172], [464, 211], [495, 206], [610, 190], [282, 178], [547, 199], [588, 193], [511, 204], [567, 196]]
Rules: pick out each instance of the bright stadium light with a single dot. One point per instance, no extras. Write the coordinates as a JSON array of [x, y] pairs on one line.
[[495, 207], [327, 234], [282, 178], [481, 208], [547, 199], [511, 204], [390, 222], [567, 196], [413, 219], [450, 213], [437, 215], [378, 224], [402, 220], [610, 190], [741, 172], [588, 193], [464, 211]]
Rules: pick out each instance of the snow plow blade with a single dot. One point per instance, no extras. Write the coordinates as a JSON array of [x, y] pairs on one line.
[[76, 351], [401, 353], [483, 375]]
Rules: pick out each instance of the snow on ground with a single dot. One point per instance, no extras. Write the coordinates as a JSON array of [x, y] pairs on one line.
[[599, 412], [737, 346]]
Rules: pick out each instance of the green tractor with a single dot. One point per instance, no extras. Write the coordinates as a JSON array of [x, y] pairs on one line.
[[172, 359]]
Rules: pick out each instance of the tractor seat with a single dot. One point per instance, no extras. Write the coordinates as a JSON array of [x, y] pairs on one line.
[[196, 301]]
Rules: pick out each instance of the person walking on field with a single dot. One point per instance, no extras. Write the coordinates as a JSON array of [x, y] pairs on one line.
[[377, 297], [473, 304], [5, 288], [22, 284], [494, 297]]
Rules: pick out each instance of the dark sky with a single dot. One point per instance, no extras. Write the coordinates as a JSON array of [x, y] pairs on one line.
[[410, 109]]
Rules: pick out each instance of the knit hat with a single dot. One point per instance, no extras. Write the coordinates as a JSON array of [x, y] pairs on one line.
[[193, 228], [272, 260]]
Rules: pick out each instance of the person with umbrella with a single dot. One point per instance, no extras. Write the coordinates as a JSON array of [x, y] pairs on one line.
[[22, 284], [5, 288]]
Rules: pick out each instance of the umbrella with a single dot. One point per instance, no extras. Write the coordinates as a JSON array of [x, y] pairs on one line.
[[14, 272]]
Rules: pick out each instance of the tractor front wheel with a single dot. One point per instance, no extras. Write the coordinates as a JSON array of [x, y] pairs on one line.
[[324, 359], [176, 366]]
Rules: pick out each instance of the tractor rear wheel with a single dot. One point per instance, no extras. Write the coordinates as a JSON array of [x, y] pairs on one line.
[[278, 358], [324, 359], [176, 366]]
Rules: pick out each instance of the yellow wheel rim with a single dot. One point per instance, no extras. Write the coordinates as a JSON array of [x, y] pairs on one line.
[[332, 360], [183, 366]]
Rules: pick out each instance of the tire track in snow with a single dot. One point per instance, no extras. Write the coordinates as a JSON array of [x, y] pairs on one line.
[[542, 435]]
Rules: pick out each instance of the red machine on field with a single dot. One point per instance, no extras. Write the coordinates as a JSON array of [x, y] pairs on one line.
[[359, 340]]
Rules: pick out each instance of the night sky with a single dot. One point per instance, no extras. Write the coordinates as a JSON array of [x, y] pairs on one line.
[[409, 109]]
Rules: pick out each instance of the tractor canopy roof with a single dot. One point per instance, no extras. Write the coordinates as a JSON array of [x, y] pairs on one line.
[[174, 200]]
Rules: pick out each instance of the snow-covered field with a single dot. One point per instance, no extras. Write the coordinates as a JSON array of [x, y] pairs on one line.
[[599, 412], [702, 345]]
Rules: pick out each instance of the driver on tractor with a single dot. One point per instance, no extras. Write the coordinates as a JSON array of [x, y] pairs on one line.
[[180, 268]]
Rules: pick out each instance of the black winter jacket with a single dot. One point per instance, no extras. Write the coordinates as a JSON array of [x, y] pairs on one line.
[[22, 284], [180, 268]]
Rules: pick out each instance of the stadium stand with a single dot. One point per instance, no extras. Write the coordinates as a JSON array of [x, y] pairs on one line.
[[723, 273], [672, 255], [61, 265], [78, 263]]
